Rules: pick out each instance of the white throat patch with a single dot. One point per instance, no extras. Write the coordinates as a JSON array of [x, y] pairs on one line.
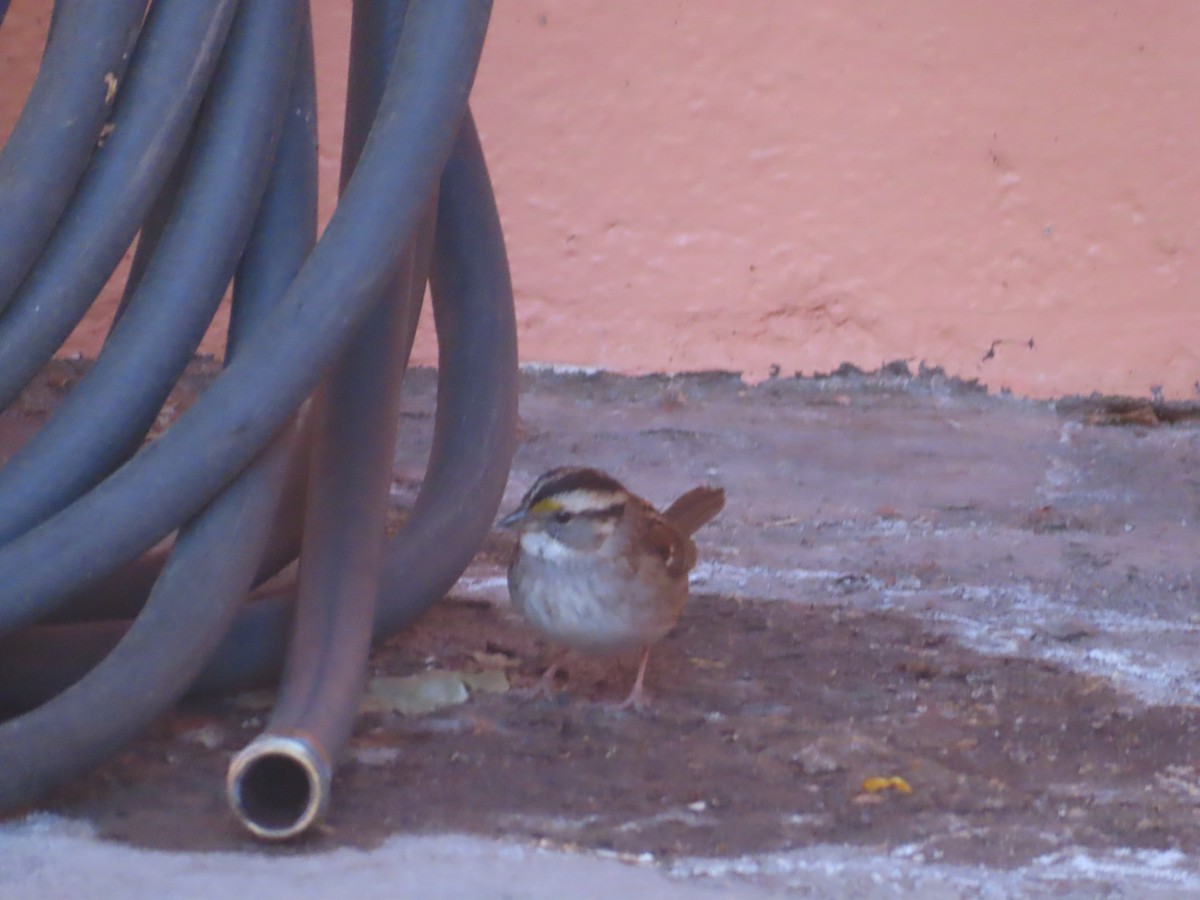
[[542, 546]]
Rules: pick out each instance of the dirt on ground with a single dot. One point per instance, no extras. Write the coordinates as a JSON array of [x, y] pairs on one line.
[[766, 721], [862, 664]]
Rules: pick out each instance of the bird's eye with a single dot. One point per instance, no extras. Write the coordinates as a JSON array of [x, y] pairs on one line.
[[562, 516]]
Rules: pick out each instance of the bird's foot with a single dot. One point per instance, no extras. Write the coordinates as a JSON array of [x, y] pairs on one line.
[[543, 687], [638, 700]]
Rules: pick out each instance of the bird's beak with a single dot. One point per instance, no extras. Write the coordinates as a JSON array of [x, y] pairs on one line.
[[511, 519]]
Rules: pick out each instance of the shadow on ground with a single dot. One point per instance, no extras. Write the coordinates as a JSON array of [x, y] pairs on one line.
[[767, 718], [992, 599]]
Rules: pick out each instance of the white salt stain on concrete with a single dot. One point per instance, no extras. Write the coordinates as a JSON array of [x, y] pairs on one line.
[[1152, 658]]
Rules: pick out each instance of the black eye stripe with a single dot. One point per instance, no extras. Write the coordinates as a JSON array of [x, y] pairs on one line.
[[613, 512]]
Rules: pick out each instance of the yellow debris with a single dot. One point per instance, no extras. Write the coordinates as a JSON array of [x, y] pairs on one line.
[[892, 782]]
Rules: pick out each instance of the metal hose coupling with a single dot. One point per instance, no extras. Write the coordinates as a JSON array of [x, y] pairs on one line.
[[278, 785]]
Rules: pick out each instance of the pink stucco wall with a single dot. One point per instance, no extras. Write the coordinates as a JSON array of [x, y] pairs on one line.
[[691, 184]]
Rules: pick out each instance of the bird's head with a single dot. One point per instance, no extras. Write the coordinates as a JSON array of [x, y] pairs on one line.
[[569, 510]]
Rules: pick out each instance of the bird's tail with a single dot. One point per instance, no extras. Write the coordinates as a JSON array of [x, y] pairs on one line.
[[695, 508]]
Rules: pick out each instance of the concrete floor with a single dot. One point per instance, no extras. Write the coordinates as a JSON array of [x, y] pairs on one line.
[[1011, 530], [52, 858]]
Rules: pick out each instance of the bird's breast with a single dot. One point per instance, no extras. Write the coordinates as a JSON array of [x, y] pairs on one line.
[[590, 601]]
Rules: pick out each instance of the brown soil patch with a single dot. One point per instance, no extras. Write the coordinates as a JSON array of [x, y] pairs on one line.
[[767, 718]]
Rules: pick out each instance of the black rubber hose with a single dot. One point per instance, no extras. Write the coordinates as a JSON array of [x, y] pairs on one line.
[[285, 226], [476, 420], [122, 594], [474, 440], [474, 430], [155, 106], [157, 658], [375, 34], [170, 479], [153, 225], [292, 194], [279, 785], [109, 411], [215, 555], [54, 137]]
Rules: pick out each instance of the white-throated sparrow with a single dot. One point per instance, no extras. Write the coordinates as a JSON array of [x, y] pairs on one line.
[[599, 569]]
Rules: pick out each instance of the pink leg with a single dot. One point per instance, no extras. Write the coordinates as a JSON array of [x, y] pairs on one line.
[[544, 686], [637, 698]]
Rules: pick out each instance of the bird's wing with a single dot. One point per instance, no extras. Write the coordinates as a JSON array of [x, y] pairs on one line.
[[677, 552]]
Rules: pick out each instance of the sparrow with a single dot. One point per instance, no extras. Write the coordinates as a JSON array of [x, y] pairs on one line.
[[598, 569]]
